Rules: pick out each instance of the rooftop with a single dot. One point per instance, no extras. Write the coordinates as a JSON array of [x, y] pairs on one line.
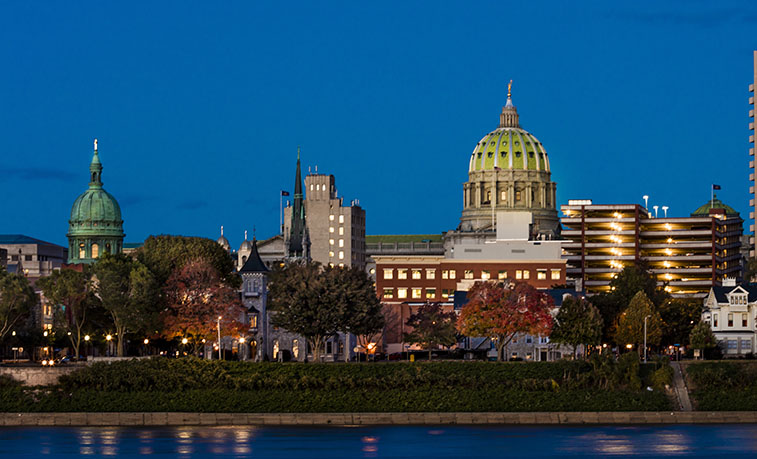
[[10, 239], [395, 238]]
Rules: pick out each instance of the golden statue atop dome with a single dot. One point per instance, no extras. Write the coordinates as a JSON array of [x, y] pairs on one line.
[[509, 89]]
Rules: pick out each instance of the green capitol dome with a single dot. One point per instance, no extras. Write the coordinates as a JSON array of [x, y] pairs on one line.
[[96, 226], [714, 203]]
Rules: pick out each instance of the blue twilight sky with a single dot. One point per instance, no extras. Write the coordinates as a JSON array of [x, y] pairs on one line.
[[199, 106]]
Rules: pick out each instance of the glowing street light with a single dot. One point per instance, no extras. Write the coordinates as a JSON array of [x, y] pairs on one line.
[[655, 210], [183, 341], [147, 341], [665, 209]]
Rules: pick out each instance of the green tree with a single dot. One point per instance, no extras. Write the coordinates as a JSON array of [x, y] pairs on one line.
[[500, 311], [702, 337], [577, 322], [431, 327], [17, 299], [363, 314], [679, 316], [630, 328], [70, 291], [129, 293], [163, 255]]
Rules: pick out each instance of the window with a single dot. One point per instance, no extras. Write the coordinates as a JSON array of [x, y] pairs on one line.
[[485, 275], [341, 254], [743, 320], [519, 274], [730, 319], [388, 273], [329, 347], [733, 344], [452, 274], [341, 219], [502, 275], [541, 274], [417, 292], [29, 257], [401, 293], [469, 274], [746, 345], [503, 195], [331, 242], [82, 252], [529, 339], [311, 187], [445, 274], [416, 273], [556, 274], [331, 218], [276, 344], [331, 254], [331, 229], [714, 320], [401, 273], [95, 251], [295, 348], [341, 230], [430, 293], [445, 293], [517, 195], [430, 274], [526, 274], [341, 242]]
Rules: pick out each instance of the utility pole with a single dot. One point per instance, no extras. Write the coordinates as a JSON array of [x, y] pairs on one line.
[[219, 337]]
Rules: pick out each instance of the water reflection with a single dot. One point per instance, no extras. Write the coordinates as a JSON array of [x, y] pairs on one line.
[[377, 442]]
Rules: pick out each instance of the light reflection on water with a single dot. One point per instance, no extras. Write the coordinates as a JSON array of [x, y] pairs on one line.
[[377, 442]]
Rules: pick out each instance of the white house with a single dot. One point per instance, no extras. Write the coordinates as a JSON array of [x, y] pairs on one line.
[[730, 310]]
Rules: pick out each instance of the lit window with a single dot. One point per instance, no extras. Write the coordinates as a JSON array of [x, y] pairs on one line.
[[485, 275], [341, 242], [556, 274], [416, 273], [311, 187], [503, 196], [445, 293], [517, 193], [502, 275], [452, 274], [82, 252], [341, 255], [518, 274], [430, 293], [331, 217], [401, 293], [445, 274], [526, 274], [401, 273], [331, 229], [417, 293], [469, 274], [95, 251], [331, 254], [388, 293], [388, 273], [341, 230], [341, 265], [541, 274], [331, 242], [430, 274], [341, 219]]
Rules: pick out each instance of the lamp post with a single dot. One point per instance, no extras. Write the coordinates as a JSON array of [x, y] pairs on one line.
[[645, 338], [646, 201], [86, 341], [147, 350], [109, 338], [665, 209], [655, 210], [219, 337]]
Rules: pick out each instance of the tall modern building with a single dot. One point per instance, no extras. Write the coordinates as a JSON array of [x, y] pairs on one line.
[[320, 227], [509, 171], [96, 226], [753, 183], [689, 255]]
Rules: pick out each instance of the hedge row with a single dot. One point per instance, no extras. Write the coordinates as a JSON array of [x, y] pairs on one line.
[[724, 386]]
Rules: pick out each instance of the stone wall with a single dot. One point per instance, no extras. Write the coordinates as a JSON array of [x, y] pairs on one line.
[[37, 376]]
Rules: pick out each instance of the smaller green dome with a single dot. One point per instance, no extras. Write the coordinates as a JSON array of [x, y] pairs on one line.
[[714, 204]]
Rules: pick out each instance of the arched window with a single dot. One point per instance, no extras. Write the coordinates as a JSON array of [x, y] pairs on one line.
[[82, 251], [95, 250]]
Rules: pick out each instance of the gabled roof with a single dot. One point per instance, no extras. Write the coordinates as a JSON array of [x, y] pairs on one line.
[[721, 292], [254, 263], [22, 239]]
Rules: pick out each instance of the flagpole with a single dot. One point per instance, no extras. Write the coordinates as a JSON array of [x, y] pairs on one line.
[[281, 212], [712, 195]]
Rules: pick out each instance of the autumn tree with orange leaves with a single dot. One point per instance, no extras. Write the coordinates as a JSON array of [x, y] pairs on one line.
[[196, 297], [500, 311]]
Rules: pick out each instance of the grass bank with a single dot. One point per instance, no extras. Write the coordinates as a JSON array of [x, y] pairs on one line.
[[723, 385]]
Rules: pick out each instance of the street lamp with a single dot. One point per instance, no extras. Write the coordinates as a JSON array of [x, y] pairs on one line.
[[665, 209], [646, 201], [219, 337], [645, 338], [108, 338], [86, 341], [655, 210]]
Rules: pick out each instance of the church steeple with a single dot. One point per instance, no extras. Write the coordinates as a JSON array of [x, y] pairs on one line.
[[95, 170], [298, 246]]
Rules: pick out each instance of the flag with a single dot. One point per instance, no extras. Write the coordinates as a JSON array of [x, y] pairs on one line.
[[286, 193], [715, 187]]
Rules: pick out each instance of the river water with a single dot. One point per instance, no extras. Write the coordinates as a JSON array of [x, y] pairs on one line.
[[376, 442]]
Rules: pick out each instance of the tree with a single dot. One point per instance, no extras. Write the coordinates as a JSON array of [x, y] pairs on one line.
[[163, 255], [71, 292], [499, 311], [702, 337], [631, 322], [630, 281], [196, 298], [17, 298], [317, 302], [129, 293], [577, 322], [431, 327], [363, 316], [679, 316]]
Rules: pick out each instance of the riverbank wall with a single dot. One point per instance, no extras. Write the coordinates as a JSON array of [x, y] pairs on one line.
[[357, 419]]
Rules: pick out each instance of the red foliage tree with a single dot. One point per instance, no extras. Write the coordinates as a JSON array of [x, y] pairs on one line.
[[500, 311], [196, 298]]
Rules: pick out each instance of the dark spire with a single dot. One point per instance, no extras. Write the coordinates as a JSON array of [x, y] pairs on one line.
[[254, 263], [297, 236]]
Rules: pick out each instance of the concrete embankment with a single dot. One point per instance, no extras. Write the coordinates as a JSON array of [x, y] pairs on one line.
[[321, 419]]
